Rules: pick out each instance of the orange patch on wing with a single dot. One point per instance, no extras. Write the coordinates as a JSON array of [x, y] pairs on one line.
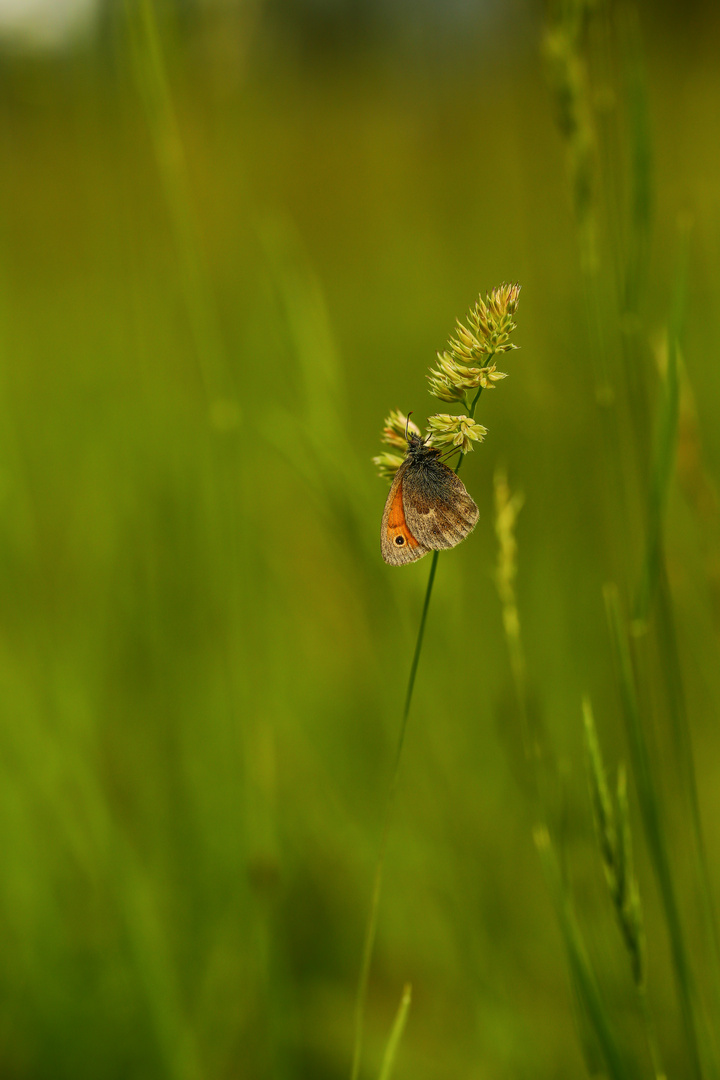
[[396, 523]]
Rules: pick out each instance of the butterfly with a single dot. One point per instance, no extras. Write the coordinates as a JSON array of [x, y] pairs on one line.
[[427, 507]]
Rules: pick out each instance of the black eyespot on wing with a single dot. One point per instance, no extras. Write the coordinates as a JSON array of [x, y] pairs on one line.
[[399, 541]]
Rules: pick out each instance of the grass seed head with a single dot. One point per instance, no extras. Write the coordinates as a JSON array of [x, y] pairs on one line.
[[460, 431]]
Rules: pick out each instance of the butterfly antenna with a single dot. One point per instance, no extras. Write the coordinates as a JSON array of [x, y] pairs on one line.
[[407, 424]]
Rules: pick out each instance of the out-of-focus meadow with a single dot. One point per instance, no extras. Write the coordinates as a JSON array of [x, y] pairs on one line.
[[233, 237]]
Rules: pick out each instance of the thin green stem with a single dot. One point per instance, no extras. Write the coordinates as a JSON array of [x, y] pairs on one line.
[[480, 390], [371, 927], [416, 657], [164, 127], [581, 968], [396, 1034], [651, 1035], [472, 416], [654, 826]]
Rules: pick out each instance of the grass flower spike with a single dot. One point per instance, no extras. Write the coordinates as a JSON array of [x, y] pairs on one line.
[[464, 369], [488, 376], [467, 364], [490, 325], [612, 825], [460, 431], [452, 380]]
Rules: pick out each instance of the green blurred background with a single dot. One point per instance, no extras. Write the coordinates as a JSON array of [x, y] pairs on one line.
[[233, 236]]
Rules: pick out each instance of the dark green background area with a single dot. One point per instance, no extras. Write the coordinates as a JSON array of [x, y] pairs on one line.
[[218, 272]]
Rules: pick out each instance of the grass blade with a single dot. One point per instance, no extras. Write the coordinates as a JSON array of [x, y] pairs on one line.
[[665, 452], [151, 75], [396, 1034], [655, 835], [584, 979]]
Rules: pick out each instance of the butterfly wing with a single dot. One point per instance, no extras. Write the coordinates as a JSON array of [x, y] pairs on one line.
[[398, 542], [438, 510]]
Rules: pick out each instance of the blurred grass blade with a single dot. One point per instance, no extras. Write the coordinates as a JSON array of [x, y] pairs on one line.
[[612, 822], [368, 946], [665, 449], [396, 1034], [316, 420], [306, 323], [654, 585], [682, 743], [151, 74], [656, 840], [311, 430], [603, 809], [584, 979], [642, 196]]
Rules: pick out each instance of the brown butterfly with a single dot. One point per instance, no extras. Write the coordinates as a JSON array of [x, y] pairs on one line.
[[427, 508]]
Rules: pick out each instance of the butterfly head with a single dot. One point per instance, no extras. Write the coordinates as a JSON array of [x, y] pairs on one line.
[[417, 444]]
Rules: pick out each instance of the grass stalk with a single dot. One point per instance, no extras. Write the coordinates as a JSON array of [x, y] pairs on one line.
[[373, 913], [416, 657], [583, 976], [686, 768], [507, 508], [664, 457], [653, 597], [153, 84], [612, 826], [396, 1034], [651, 1034], [585, 984], [625, 444], [655, 835]]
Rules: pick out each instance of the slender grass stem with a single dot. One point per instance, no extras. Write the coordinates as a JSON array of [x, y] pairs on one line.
[[416, 654], [580, 966], [686, 768], [654, 827], [654, 599], [651, 1035], [372, 921], [153, 84], [396, 1034], [596, 1029], [371, 928]]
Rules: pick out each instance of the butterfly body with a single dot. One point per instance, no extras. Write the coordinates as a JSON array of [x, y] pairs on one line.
[[427, 508]]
